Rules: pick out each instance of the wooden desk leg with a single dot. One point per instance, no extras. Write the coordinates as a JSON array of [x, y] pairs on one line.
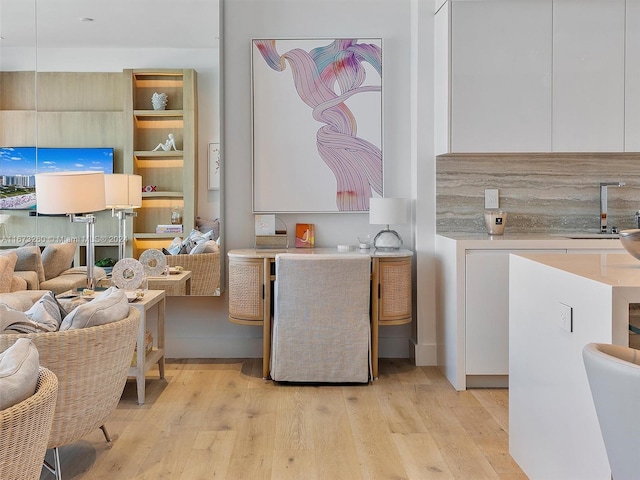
[[161, 309], [266, 320], [375, 309], [140, 356]]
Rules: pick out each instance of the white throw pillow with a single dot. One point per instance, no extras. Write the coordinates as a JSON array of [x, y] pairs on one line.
[[19, 370], [47, 313], [110, 306], [10, 318], [210, 246]]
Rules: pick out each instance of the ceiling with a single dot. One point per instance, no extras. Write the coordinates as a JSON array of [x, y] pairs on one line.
[[117, 23]]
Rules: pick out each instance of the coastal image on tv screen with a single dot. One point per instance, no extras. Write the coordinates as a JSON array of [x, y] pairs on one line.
[[19, 165]]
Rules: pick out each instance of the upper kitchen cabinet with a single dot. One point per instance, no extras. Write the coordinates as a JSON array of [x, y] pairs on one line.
[[632, 77], [493, 76], [588, 75]]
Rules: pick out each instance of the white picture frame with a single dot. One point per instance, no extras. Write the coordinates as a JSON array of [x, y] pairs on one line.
[[215, 166]]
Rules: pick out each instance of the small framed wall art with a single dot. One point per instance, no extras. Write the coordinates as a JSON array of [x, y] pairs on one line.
[[214, 166]]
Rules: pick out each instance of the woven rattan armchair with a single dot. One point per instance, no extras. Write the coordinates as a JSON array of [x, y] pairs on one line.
[[205, 271], [24, 431], [92, 365]]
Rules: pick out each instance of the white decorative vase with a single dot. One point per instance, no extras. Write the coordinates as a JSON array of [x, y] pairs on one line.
[[159, 101]]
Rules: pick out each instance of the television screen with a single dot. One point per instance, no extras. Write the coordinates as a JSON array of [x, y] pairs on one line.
[[19, 165]]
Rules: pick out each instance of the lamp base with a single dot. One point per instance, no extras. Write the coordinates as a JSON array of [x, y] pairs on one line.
[[387, 240]]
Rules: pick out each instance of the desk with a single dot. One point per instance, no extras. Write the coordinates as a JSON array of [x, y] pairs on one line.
[[144, 363], [251, 277], [174, 284]]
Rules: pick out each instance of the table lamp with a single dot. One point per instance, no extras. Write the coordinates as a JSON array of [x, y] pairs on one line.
[[77, 194], [123, 192], [387, 211]]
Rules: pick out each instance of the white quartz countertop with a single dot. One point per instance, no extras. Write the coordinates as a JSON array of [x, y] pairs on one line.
[[514, 241], [615, 269]]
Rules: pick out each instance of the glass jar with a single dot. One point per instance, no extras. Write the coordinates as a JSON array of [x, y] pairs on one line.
[[176, 215]]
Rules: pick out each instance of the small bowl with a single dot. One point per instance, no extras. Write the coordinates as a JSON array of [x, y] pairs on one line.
[[630, 240]]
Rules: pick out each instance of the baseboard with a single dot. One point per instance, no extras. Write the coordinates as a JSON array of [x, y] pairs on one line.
[[425, 355]]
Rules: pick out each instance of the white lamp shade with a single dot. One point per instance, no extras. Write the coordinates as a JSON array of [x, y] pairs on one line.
[[123, 190], [387, 211], [70, 192]]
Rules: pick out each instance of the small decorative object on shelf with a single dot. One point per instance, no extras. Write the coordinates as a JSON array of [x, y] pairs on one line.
[[168, 145], [169, 228], [159, 101], [176, 215]]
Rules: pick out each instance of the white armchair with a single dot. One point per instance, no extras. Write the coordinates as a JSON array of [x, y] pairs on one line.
[[321, 330], [614, 377]]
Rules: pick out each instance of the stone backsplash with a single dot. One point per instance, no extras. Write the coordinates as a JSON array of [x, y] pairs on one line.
[[541, 192]]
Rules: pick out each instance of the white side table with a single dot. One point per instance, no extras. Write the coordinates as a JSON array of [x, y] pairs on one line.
[[145, 362]]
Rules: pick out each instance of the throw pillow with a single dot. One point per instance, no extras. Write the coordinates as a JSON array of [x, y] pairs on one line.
[[19, 370], [110, 306], [207, 225], [56, 258], [12, 320], [175, 246], [47, 313], [210, 246], [7, 264], [29, 259]]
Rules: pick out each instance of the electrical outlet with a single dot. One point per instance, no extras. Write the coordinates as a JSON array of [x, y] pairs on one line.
[[566, 317], [491, 198]]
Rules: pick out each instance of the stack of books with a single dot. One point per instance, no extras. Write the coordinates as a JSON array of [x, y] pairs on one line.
[[148, 346], [169, 229]]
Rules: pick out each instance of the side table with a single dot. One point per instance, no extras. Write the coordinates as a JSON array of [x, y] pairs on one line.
[[145, 361], [174, 284]]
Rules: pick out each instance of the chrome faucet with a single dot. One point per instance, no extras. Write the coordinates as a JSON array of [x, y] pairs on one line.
[[603, 203]]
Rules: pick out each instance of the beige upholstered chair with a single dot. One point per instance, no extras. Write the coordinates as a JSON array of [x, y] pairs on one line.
[[92, 366], [614, 377], [24, 431], [321, 330]]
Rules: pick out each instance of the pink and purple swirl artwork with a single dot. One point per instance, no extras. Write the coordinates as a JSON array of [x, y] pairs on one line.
[[317, 113]]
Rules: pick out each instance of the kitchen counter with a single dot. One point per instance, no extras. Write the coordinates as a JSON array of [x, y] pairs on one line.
[[472, 299], [558, 304]]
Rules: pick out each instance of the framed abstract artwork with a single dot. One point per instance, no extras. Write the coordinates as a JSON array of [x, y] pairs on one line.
[[317, 124]]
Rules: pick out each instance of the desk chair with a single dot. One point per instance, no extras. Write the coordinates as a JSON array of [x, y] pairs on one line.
[[614, 377], [321, 330]]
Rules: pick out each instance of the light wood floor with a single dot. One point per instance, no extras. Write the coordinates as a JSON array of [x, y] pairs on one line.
[[218, 419]]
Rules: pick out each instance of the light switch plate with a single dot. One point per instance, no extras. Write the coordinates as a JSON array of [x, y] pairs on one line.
[[491, 198], [566, 317]]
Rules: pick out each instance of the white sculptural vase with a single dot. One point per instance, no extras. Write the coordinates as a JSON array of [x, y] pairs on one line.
[[159, 101]]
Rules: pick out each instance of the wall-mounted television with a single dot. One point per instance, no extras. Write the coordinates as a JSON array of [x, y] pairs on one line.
[[19, 165]]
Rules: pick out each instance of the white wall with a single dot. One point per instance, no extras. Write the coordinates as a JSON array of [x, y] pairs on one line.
[[404, 25]]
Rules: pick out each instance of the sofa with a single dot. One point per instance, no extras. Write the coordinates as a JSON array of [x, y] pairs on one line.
[[204, 268], [32, 268]]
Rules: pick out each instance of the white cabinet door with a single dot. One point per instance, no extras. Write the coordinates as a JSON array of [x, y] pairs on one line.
[[487, 310], [588, 75], [487, 313], [632, 78], [501, 76]]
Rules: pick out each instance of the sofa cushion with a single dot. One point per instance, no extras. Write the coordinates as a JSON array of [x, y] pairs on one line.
[[109, 306], [18, 284], [56, 258], [18, 300], [207, 225], [30, 278], [7, 265], [19, 370], [29, 259]]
